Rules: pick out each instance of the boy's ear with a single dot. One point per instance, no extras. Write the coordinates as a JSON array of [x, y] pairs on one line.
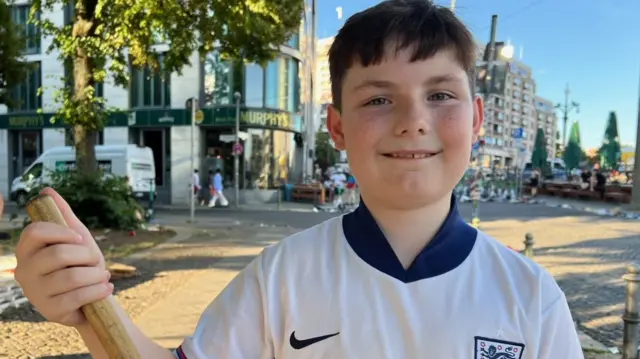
[[334, 126], [478, 117]]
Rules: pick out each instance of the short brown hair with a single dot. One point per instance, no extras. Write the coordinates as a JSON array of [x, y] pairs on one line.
[[420, 24]]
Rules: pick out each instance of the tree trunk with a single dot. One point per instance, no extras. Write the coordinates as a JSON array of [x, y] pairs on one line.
[[85, 144], [83, 66]]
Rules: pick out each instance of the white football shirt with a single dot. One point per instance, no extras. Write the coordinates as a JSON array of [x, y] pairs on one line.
[[337, 290]]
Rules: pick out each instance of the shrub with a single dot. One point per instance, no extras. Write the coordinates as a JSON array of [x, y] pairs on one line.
[[98, 201]]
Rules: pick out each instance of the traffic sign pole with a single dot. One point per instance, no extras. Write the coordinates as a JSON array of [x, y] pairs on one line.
[[236, 155]]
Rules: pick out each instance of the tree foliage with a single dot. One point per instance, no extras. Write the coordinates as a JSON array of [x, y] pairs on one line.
[[326, 155], [539, 155], [573, 154], [13, 71], [99, 201], [106, 37], [610, 151]]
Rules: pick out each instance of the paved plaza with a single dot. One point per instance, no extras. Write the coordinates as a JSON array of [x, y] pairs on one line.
[[586, 254]]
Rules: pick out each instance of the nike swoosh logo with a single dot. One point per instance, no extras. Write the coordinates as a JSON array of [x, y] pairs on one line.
[[301, 344]]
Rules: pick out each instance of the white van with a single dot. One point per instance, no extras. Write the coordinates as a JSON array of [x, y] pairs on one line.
[[134, 162]]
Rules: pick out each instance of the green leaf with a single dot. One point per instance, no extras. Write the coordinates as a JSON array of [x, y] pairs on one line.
[[125, 33]]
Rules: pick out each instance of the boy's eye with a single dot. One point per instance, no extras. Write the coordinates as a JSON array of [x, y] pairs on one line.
[[377, 102], [440, 96]]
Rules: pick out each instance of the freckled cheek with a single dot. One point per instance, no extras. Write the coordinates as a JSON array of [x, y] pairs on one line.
[[454, 129], [362, 131]]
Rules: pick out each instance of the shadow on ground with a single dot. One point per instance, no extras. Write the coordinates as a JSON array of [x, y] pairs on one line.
[[592, 281], [589, 272], [203, 251]]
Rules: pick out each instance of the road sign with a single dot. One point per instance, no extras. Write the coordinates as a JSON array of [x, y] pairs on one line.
[[199, 116], [476, 146], [517, 133], [237, 148]]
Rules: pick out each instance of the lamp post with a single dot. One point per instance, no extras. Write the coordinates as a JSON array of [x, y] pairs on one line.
[[635, 191], [566, 108], [236, 152]]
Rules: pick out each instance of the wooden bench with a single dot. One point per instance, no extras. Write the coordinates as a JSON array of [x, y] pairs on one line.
[[588, 194], [306, 192], [618, 197], [555, 191]]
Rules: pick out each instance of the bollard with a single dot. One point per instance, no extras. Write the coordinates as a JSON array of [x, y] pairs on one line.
[[528, 245], [631, 316]]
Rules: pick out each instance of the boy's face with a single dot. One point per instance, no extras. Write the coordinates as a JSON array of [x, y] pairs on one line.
[[407, 127]]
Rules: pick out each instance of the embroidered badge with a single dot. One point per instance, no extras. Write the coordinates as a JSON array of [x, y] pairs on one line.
[[488, 348]]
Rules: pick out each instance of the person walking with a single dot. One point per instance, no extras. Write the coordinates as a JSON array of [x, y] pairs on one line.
[[216, 188]]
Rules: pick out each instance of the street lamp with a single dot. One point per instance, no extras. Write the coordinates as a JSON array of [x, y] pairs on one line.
[[566, 108], [507, 52]]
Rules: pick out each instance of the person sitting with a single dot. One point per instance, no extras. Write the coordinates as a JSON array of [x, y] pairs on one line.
[[600, 183], [585, 175]]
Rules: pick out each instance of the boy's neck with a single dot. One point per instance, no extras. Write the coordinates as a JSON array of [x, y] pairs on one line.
[[410, 231]]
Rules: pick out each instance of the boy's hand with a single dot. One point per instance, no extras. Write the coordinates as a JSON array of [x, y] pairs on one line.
[[61, 269]]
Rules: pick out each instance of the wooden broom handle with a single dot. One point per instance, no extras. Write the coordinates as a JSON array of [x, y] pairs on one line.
[[101, 315]]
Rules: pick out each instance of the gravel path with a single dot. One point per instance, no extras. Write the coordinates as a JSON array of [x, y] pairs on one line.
[[25, 334]]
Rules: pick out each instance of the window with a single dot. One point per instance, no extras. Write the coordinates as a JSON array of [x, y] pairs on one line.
[[272, 86], [254, 85], [217, 80], [294, 41], [20, 15], [70, 82], [34, 172], [69, 13], [25, 95], [150, 88]]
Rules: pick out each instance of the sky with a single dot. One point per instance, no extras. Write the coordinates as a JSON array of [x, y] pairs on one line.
[[592, 45]]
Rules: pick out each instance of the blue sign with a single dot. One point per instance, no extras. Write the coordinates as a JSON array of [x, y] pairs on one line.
[[517, 132], [476, 146]]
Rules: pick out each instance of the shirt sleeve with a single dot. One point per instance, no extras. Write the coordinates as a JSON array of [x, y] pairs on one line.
[[559, 338], [234, 325]]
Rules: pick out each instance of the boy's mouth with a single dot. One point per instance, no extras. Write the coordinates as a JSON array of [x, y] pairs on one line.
[[411, 155]]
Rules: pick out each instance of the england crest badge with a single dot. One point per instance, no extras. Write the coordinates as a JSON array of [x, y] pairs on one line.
[[487, 348]]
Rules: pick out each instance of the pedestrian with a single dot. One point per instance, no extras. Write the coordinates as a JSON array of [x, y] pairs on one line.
[[534, 182], [403, 276], [338, 182], [352, 186], [216, 189], [196, 188]]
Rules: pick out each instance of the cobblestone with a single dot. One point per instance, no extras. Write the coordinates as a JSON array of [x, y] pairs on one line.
[[25, 334], [587, 255]]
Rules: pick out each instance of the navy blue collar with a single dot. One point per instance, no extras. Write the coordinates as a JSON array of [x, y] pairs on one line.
[[447, 250]]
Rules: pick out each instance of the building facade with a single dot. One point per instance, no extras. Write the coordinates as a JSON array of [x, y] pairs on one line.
[[512, 105], [154, 114]]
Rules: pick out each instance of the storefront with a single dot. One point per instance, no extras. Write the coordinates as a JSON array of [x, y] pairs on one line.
[[271, 141], [152, 128]]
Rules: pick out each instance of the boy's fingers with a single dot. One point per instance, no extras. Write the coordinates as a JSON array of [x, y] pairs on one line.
[[32, 240], [72, 221]]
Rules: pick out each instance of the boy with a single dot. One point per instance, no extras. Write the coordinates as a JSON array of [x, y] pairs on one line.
[[400, 277]]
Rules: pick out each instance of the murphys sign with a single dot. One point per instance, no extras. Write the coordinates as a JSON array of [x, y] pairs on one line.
[[252, 117], [67, 166]]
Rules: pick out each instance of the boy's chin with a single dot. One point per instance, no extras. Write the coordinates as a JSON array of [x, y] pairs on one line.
[[402, 199]]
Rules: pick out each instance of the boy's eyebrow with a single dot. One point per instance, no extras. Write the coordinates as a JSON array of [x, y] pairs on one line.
[[440, 79], [432, 81]]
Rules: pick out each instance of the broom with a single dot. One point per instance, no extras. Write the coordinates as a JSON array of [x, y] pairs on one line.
[[101, 315]]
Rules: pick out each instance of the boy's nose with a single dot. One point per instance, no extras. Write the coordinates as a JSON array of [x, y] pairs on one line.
[[414, 120]]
